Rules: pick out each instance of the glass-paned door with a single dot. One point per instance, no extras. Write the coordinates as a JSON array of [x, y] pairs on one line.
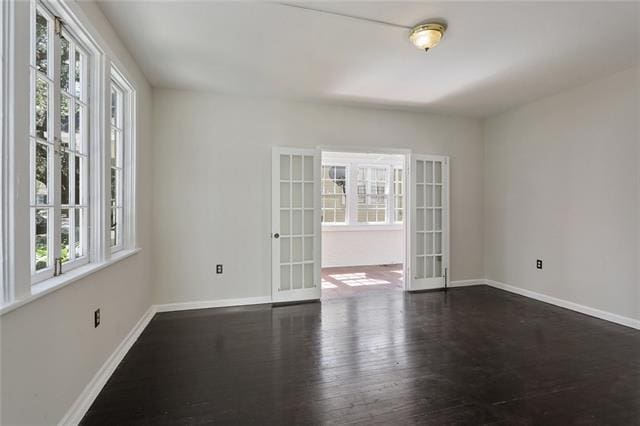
[[295, 224], [430, 222]]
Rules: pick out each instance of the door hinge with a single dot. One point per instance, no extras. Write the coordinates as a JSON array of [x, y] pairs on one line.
[[57, 25]]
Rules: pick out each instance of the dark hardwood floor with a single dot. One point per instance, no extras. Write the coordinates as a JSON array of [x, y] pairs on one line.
[[473, 355]]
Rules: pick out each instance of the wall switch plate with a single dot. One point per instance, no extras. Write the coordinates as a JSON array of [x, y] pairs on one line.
[[96, 318], [539, 264], [218, 269]]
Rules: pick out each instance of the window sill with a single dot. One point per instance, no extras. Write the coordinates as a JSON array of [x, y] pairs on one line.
[[55, 283], [368, 227]]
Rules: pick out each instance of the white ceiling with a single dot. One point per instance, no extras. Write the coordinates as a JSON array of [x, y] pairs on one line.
[[495, 55]]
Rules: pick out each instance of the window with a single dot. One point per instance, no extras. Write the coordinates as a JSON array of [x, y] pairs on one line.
[[334, 194], [361, 190], [398, 192], [373, 190], [58, 147], [117, 165], [61, 149], [121, 162]]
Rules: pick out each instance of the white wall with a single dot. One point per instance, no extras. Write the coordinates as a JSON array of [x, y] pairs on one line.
[[212, 159], [50, 349], [561, 184], [355, 248]]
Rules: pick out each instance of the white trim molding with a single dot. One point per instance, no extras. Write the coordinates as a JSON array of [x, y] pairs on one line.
[[587, 310], [220, 303], [466, 283], [91, 391]]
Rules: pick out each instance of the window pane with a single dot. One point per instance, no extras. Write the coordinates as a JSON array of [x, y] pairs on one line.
[[114, 186], [41, 239], [65, 69], [79, 140], [114, 226], [42, 108], [64, 178], [64, 235], [78, 179], [79, 225], [64, 119], [114, 147], [79, 75], [114, 107], [42, 42], [42, 173]]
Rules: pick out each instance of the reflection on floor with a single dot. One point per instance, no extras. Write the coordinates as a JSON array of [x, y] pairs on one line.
[[356, 281]]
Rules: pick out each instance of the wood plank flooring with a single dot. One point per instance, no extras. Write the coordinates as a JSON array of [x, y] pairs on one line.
[[472, 355]]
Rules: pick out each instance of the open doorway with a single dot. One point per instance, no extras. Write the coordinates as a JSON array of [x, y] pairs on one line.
[[363, 197]]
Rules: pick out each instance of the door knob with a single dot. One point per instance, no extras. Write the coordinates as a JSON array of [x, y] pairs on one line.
[[276, 235]]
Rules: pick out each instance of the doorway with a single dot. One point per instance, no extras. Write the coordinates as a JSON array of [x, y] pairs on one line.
[[363, 227], [301, 211]]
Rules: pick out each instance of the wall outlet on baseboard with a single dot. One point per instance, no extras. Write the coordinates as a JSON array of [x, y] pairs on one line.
[[218, 269], [96, 318], [539, 264]]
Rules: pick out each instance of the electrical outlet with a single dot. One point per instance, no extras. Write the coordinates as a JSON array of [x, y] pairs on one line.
[[218, 269], [539, 264], [96, 318]]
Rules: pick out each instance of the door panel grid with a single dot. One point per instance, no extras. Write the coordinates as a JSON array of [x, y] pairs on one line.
[[297, 230], [430, 232]]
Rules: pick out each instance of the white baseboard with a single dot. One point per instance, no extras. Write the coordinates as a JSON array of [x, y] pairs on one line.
[[466, 283], [91, 391], [221, 303], [608, 316]]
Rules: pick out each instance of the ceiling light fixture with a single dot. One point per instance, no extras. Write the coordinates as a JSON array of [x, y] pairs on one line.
[[427, 36]]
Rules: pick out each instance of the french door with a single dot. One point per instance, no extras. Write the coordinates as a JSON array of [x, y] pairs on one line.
[[429, 231], [295, 234]]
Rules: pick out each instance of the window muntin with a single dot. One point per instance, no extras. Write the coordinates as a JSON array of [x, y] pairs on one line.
[[59, 148], [116, 163], [398, 194], [334, 194], [373, 192]]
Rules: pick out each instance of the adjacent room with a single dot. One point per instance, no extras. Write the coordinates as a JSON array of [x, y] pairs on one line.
[[327, 212], [363, 231]]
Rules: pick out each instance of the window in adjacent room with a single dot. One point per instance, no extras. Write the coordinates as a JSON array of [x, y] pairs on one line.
[[398, 193], [334, 194], [373, 191]]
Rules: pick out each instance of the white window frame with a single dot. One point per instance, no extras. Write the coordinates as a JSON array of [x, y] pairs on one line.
[[17, 287], [347, 167], [5, 111], [128, 198], [74, 35]]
